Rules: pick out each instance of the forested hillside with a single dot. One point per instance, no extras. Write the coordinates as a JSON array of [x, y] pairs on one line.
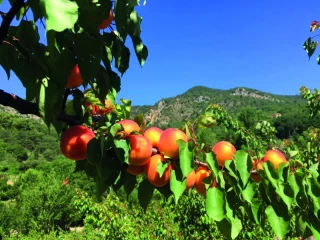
[[25, 141], [172, 111]]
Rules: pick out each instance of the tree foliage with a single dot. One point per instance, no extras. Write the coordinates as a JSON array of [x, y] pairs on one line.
[[286, 195]]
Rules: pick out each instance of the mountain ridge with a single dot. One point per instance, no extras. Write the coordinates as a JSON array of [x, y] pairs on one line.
[[188, 105]]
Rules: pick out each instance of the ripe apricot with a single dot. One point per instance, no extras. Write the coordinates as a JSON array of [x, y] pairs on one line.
[[202, 173], [75, 78], [152, 174], [106, 22], [135, 170], [168, 142], [224, 151], [275, 157], [140, 150], [191, 179], [153, 134], [129, 126], [73, 143]]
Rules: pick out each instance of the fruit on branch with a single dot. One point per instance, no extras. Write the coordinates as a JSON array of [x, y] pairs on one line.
[[168, 145], [224, 151], [191, 179], [140, 150], [151, 171], [75, 78], [202, 173], [153, 134], [106, 22], [129, 126], [135, 170], [275, 157], [73, 143], [96, 110]]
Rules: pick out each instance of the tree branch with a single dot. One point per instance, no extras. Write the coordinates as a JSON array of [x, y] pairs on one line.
[[21, 105], [7, 19]]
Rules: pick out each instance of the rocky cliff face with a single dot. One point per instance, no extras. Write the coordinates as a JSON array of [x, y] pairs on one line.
[[246, 93]]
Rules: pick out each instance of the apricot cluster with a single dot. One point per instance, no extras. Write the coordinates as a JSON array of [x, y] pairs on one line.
[[157, 146], [151, 148]]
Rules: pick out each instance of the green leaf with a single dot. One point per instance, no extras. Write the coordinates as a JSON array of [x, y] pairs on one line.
[[230, 227], [213, 164], [243, 165], [36, 9], [314, 193], [145, 193], [122, 11], [310, 46], [177, 183], [185, 158], [122, 149], [294, 186], [130, 184], [207, 120], [94, 155], [89, 53], [279, 224], [140, 49], [161, 167], [59, 14], [126, 107], [27, 33], [255, 206], [122, 56], [249, 192], [301, 197], [271, 173], [49, 102], [8, 54], [315, 170], [215, 204], [314, 225], [63, 66], [301, 224]]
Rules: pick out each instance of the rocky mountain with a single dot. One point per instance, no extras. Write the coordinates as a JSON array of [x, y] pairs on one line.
[[172, 111]]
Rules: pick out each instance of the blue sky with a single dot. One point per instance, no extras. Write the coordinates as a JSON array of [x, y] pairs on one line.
[[218, 44]]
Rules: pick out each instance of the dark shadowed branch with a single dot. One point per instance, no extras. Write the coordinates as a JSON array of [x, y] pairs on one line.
[[7, 18], [21, 105]]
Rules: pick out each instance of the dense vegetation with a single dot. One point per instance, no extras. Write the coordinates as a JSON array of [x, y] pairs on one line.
[[51, 198], [172, 111]]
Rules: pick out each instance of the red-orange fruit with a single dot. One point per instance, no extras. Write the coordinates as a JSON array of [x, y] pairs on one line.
[[129, 126], [151, 171], [75, 78], [202, 173], [140, 150], [73, 143], [191, 179], [153, 134], [168, 145], [135, 170], [275, 157], [224, 151], [106, 22]]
